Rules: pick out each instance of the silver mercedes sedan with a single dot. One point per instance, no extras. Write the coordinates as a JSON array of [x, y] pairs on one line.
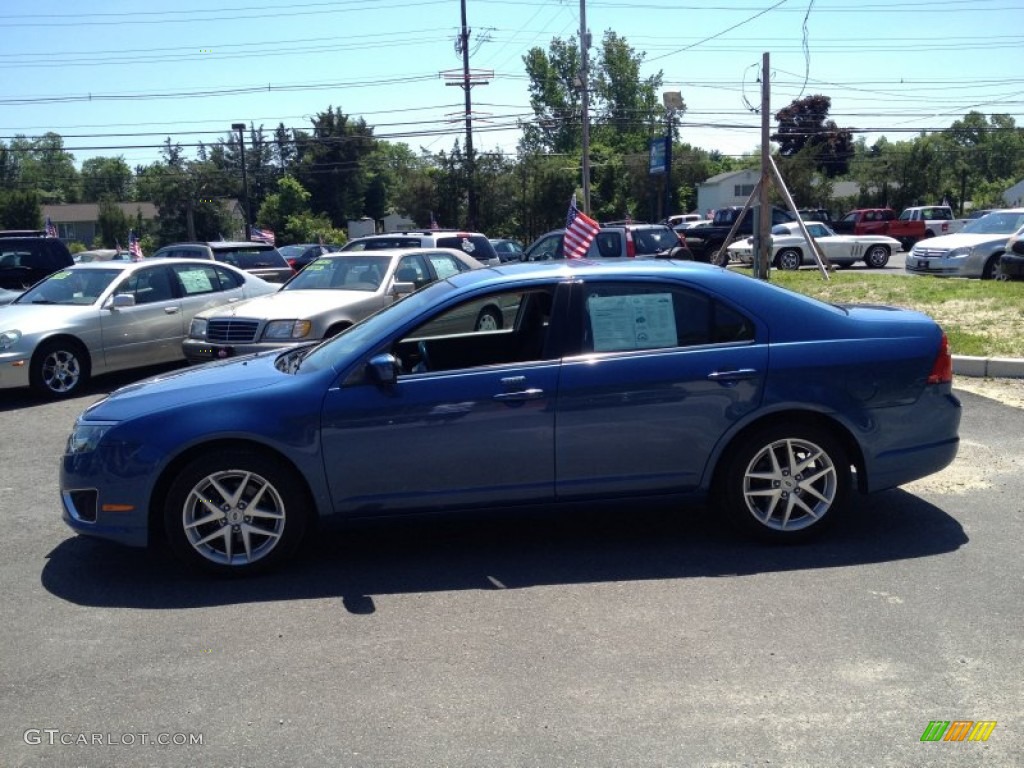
[[105, 316], [329, 295]]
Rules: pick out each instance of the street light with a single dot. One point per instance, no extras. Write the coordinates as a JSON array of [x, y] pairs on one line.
[[240, 127], [672, 100]]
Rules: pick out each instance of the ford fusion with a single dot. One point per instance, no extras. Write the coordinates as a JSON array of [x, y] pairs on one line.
[[610, 380]]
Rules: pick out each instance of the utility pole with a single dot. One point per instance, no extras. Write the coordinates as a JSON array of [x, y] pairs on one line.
[[465, 79], [585, 90], [240, 127], [763, 239]]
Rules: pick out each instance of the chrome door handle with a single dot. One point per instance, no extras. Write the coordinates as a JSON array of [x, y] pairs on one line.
[[171, 310], [520, 396], [735, 375]]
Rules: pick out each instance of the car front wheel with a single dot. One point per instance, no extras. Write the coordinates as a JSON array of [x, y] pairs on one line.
[[877, 256], [786, 483], [235, 512], [59, 368], [788, 258]]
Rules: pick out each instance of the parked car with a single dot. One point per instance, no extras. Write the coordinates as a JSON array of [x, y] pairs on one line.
[[261, 259], [974, 251], [507, 250], [881, 221], [473, 244], [107, 316], [683, 218], [615, 240], [27, 256], [791, 251], [816, 214], [626, 378], [334, 292], [6, 296], [1011, 263], [298, 256], [708, 243]]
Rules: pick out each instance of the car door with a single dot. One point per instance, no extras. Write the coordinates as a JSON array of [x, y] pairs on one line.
[[661, 372], [467, 423], [152, 330]]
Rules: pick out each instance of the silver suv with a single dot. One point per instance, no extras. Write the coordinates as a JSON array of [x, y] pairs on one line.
[[616, 240], [472, 244]]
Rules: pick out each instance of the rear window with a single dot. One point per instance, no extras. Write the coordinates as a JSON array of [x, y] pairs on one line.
[[252, 259], [477, 246], [650, 241], [380, 243]]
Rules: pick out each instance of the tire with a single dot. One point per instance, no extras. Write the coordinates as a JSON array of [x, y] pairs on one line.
[[209, 520], [877, 256], [991, 269], [770, 474], [59, 368], [489, 319], [789, 259]]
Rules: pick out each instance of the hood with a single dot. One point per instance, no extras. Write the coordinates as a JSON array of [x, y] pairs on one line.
[[34, 318], [286, 305], [960, 240], [196, 387]]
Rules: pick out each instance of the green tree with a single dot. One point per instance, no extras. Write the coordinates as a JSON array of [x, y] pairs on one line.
[[804, 125], [555, 98], [106, 176], [290, 200], [628, 109], [113, 224], [20, 209]]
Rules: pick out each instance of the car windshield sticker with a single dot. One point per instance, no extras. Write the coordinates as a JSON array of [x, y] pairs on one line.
[[60, 275], [196, 281], [644, 321], [467, 246]]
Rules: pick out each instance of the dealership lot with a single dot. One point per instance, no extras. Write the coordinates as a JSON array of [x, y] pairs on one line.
[[607, 636]]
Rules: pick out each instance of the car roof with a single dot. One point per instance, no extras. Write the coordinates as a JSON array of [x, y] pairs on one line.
[[124, 265]]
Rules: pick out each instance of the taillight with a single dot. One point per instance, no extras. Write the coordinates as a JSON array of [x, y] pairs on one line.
[[630, 245], [942, 368]]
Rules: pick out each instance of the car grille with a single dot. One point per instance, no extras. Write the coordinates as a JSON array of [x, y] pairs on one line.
[[930, 253], [232, 331]]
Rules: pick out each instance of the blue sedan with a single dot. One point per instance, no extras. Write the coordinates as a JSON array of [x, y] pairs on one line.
[[624, 379]]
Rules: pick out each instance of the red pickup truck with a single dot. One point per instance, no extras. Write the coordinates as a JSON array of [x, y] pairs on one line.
[[880, 221]]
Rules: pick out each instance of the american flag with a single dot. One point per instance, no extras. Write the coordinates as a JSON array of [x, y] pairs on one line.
[[134, 246], [261, 235], [51, 228], [580, 231]]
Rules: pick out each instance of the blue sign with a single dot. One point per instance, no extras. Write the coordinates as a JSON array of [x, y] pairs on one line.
[[659, 151]]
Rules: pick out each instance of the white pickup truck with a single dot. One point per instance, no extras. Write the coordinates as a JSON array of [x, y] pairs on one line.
[[938, 219]]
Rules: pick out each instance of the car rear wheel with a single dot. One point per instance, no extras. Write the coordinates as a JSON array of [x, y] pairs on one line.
[[489, 319], [59, 368], [786, 483], [788, 258], [877, 256], [235, 512]]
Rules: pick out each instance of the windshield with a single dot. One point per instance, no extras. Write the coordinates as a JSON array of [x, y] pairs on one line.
[[998, 223], [70, 286], [341, 273], [335, 350]]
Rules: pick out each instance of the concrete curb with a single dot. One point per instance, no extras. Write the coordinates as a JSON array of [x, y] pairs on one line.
[[988, 367]]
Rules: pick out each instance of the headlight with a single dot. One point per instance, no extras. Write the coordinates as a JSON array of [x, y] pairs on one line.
[[8, 339], [197, 330], [287, 329], [86, 436], [959, 253]]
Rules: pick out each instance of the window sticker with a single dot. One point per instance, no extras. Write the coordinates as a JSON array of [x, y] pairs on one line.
[[196, 281], [644, 321]]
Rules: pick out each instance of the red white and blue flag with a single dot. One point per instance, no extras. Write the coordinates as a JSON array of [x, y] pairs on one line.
[[134, 246], [580, 231], [51, 228], [259, 235]]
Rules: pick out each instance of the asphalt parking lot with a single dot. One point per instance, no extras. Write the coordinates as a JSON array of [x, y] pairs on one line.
[[624, 635]]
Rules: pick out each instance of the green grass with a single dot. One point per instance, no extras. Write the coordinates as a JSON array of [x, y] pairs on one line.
[[984, 318]]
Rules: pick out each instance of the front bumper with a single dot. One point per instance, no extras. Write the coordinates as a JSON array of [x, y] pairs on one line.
[[198, 351], [14, 370], [96, 503], [1012, 265]]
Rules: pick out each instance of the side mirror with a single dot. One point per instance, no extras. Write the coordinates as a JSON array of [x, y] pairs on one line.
[[383, 369], [122, 300], [401, 289]]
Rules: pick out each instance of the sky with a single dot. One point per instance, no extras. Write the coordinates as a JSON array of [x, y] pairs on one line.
[[117, 77]]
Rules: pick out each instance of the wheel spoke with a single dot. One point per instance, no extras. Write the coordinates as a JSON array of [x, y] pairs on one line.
[[213, 517]]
